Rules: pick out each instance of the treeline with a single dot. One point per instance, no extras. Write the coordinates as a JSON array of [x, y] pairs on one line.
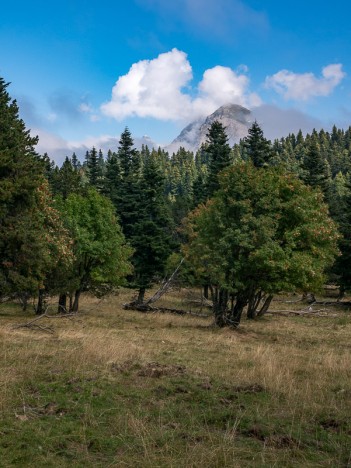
[[251, 220]]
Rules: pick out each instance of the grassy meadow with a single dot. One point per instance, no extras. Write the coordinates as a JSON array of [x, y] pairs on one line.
[[116, 388]]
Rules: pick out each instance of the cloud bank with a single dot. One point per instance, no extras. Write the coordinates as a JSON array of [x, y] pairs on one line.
[[301, 87], [160, 88]]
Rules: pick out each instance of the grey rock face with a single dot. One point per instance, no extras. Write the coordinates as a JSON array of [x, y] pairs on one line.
[[235, 118]]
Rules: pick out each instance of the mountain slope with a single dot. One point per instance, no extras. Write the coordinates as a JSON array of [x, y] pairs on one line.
[[235, 118]]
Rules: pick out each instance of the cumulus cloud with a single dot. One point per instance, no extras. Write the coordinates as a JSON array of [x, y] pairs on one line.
[[301, 87], [159, 88]]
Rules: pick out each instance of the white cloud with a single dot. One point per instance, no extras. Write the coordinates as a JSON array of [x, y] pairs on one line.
[[301, 87], [85, 108], [157, 88]]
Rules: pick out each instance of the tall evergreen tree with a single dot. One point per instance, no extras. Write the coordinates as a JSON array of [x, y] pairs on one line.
[[94, 169], [75, 162], [219, 155], [112, 179], [128, 194], [342, 214], [151, 236], [21, 222], [316, 171], [66, 180], [257, 147]]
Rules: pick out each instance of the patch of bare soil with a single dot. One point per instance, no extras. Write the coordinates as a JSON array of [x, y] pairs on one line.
[[155, 369]]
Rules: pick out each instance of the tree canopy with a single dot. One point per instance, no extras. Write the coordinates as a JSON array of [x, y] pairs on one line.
[[263, 232]]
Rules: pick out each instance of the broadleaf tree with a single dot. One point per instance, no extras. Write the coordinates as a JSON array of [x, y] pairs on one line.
[[101, 255], [263, 232]]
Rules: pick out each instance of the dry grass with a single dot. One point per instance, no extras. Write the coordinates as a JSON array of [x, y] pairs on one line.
[[118, 388]]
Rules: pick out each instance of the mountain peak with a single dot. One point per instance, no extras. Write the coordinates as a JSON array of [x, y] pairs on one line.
[[235, 118]]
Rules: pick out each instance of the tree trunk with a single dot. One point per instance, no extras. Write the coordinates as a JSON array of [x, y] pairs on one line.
[[220, 308], [41, 302], [206, 291], [70, 302], [235, 316], [265, 306], [75, 306], [24, 301], [141, 296], [341, 293], [62, 304], [253, 304]]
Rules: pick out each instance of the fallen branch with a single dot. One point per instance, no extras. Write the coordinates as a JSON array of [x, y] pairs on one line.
[[33, 325], [145, 308], [313, 313], [335, 303], [165, 286]]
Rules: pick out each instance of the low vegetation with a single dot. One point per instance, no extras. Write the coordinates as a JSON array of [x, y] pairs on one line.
[[111, 387]]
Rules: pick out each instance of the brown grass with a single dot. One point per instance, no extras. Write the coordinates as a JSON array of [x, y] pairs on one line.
[[301, 364]]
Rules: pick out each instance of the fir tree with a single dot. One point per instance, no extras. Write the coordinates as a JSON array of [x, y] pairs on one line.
[[151, 235], [66, 180], [257, 148], [21, 223], [316, 173], [94, 169], [219, 155]]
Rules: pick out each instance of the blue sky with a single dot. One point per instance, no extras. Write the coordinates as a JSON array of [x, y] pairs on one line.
[[82, 71]]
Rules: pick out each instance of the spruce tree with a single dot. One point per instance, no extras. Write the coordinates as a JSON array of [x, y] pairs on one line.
[[257, 148], [94, 169], [112, 179], [66, 180], [22, 243], [151, 235], [219, 155], [316, 171]]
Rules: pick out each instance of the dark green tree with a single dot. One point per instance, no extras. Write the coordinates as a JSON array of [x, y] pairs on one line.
[[316, 171], [66, 180], [341, 209], [219, 155], [94, 169], [112, 179], [22, 244], [151, 234], [263, 232], [257, 148]]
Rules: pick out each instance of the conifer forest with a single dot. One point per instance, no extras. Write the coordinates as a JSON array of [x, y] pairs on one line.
[[250, 220], [239, 242]]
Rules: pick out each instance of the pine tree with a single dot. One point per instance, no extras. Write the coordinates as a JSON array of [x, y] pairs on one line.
[[128, 193], [75, 162], [94, 169], [257, 148], [219, 155], [151, 235], [22, 244], [126, 152], [343, 216], [316, 171], [112, 179], [66, 180]]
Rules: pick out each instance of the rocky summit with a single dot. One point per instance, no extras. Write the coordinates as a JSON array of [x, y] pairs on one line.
[[236, 119]]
